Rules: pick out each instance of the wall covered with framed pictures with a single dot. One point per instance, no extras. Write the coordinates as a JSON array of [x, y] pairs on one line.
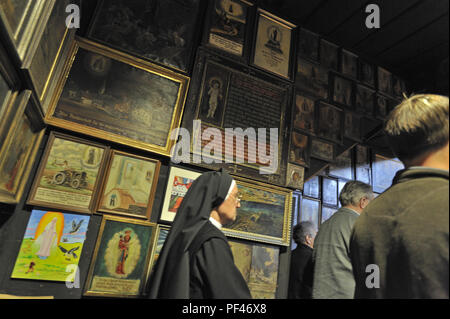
[[94, 163]]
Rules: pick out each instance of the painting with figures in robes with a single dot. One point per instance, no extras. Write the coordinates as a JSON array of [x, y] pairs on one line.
[[52, 242]]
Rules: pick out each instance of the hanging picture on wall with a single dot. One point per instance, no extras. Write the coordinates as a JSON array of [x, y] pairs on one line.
[[309, 211], [327, 212], [19, 149], [129, 186], [322, 150], [381, 106], [308, 45], [69, 174], [273, 44], [312, 187], [384, 170], [52, 242], [349, 64], [342, 91], [330, 191], [362, 163], [352, 126], [329, 54], [264, 214], [329, 122], [178, 183], [294, 176], [385, 81], [304, 113], [162, 232], [149, 29], [364, 100], [228, 25], [366, 73], [312, 78], [120, 262], [299, 151], [111, 95], [342, 167]]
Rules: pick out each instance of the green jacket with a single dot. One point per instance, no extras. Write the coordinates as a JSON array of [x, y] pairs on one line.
[[405, 233], [333, 274]]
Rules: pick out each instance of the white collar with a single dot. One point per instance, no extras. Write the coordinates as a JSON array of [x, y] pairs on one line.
[[215, 223]]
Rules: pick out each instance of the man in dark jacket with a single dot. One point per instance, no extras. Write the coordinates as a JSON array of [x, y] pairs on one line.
[[400, 244], [301, 271]]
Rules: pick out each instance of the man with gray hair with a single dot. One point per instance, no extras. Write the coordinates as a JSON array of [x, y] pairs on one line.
[[333, 273], [301, 271]]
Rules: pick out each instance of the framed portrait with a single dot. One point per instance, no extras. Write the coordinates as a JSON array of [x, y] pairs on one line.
[[308, 44], [381, 106], [258, 265], [264, 214], [342, 167], [352, 126], [69, 174], [120, 261], [349, 64], [384, 170], [329, 122], [20, 147], [322, 150], [150, 29], [312, 78], [273, 48], [364, 100], [362, 164], [129, 185], [330, 191], [342, 91], [111, 95], [23, 21], [326, 213], [228, 26], [299, 151], [309, 211], [385, 81], [41, 64], [304, 113], [366, 72], [178, 183], [162, 231], [329, 54], [295, 175], [312, 187], [52, 242]]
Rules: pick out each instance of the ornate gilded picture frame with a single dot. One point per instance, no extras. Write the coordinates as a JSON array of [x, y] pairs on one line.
[[129, 185], [119, 266], [111, 95], [69, 174], [19, 150], [264, 214]]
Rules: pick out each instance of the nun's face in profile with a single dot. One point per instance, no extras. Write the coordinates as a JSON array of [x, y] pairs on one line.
[[227, 210]]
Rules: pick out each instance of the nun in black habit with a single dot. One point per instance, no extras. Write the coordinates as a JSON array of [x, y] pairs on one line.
[[196, 260]]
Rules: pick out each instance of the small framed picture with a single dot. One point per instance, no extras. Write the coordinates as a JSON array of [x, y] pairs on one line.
[[178, 183], [311, 187], [366, 73], [322, 150], [129, 185], [295, 176], [385, 81], [364, 100], [309, 211], [273, 49], [69, 174], [329, 54], [329, 122], [312, 78], [330, 191], [349, 64], [119, 265], [352, 126], [299, 151], [308, 45], [304, 113], [342, 91], [342, 167], [362, 164], [381, 106]]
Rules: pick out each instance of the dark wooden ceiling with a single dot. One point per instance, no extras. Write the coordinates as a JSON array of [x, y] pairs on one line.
[[412, 40]]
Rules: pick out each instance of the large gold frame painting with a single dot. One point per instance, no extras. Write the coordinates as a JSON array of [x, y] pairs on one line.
[[111, 95]]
